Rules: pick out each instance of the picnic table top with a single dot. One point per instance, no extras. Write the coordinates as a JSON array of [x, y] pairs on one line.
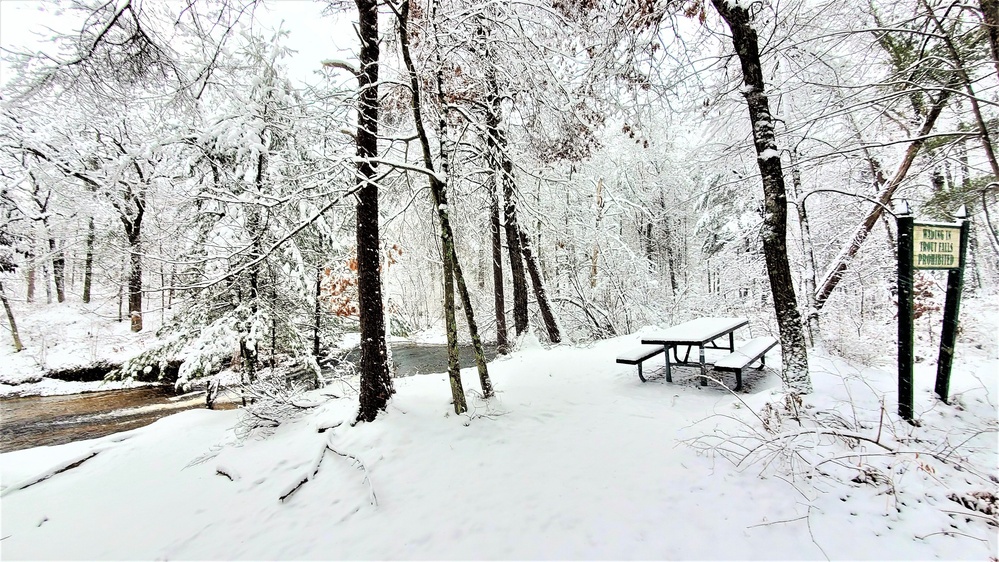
[[696, 332]]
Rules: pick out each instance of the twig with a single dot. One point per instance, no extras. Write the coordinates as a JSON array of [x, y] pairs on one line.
[[360, 465], [307, 477], [948, 533], [808, 521], [781, 522], [984, 516]]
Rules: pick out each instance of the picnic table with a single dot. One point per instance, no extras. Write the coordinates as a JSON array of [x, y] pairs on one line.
[[701, 332], [704, 333]]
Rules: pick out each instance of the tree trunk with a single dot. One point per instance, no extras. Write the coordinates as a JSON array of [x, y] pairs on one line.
[[30, 274], [317, 312], [774, 231], [839, 265], [554, 334], [503, 167], [376, 385], [10, 320], [962, 74], [58, 270], [451, 324], [502, 345], [48, 286], [599, 199], [121, 288], [812, 316], [438, 191], [990, 20], [671, 260], [88, 264], [135, 276]]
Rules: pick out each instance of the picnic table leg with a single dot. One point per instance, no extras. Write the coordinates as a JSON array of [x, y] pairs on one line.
[[669, 375], [704, 370], [738, 380], [731, 341], [640, 372]]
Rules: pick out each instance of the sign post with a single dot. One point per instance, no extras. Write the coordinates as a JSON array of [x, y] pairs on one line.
[[905, 334], [952, 306], [933, 246]]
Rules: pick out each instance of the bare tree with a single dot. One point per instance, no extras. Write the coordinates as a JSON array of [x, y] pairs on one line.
[[774, 230], [376, 384]]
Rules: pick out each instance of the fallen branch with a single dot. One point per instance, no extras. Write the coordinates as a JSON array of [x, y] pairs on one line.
[[307, 477], [43, 477], [372, 498]]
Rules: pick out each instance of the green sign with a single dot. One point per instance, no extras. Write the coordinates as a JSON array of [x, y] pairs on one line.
[[928, 246], [936, 246]]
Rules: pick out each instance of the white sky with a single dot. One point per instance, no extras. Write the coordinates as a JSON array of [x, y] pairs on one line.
[[315, 37]]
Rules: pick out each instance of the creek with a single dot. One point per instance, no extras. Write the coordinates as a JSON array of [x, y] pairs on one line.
[[33, 421]]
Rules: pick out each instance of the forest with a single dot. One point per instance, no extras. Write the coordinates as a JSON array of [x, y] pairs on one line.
[[575, 169], [226, 225]]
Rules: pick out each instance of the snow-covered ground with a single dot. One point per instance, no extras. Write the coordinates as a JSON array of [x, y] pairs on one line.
[[70, 334], [574, 459]]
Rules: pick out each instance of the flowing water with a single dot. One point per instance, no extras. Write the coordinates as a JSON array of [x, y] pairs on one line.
[[33, 421]]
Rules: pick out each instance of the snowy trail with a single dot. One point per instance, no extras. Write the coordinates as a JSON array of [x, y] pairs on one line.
[[575, 459]]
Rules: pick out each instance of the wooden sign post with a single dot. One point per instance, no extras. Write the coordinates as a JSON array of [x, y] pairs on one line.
[[927, 245], [952, 307]]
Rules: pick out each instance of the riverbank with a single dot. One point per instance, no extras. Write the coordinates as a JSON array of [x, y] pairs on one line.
[[63, 336]]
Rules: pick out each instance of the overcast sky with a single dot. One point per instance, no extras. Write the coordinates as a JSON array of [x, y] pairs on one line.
[[24, 23]]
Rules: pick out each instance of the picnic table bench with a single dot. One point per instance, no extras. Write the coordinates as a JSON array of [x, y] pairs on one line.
[[637, 355], [746, 354]]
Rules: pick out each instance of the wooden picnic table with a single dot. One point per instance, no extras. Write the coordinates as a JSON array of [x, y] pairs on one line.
[[703, 333]]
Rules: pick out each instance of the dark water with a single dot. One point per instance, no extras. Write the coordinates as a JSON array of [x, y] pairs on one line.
[[420, 359], [33, 421]]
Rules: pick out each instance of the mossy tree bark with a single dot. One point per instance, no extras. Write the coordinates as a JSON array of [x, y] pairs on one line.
[[438, 191], [10, 320]]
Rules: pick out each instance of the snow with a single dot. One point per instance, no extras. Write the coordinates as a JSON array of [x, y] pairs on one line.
[[574, 459], [768, 154], [699, 329], [70, 334], [54, 387]]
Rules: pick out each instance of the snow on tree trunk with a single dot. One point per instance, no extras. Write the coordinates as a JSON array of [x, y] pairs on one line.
[[812, 314], [134, 276], [503, 168], [58, 270], [838, 267], [88, 264], [438, 190], [774, 230]]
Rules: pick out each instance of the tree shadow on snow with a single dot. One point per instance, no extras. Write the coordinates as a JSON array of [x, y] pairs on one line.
[[753, 379]]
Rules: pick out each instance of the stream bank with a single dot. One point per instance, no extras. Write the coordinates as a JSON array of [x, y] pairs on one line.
[[34, 421]]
